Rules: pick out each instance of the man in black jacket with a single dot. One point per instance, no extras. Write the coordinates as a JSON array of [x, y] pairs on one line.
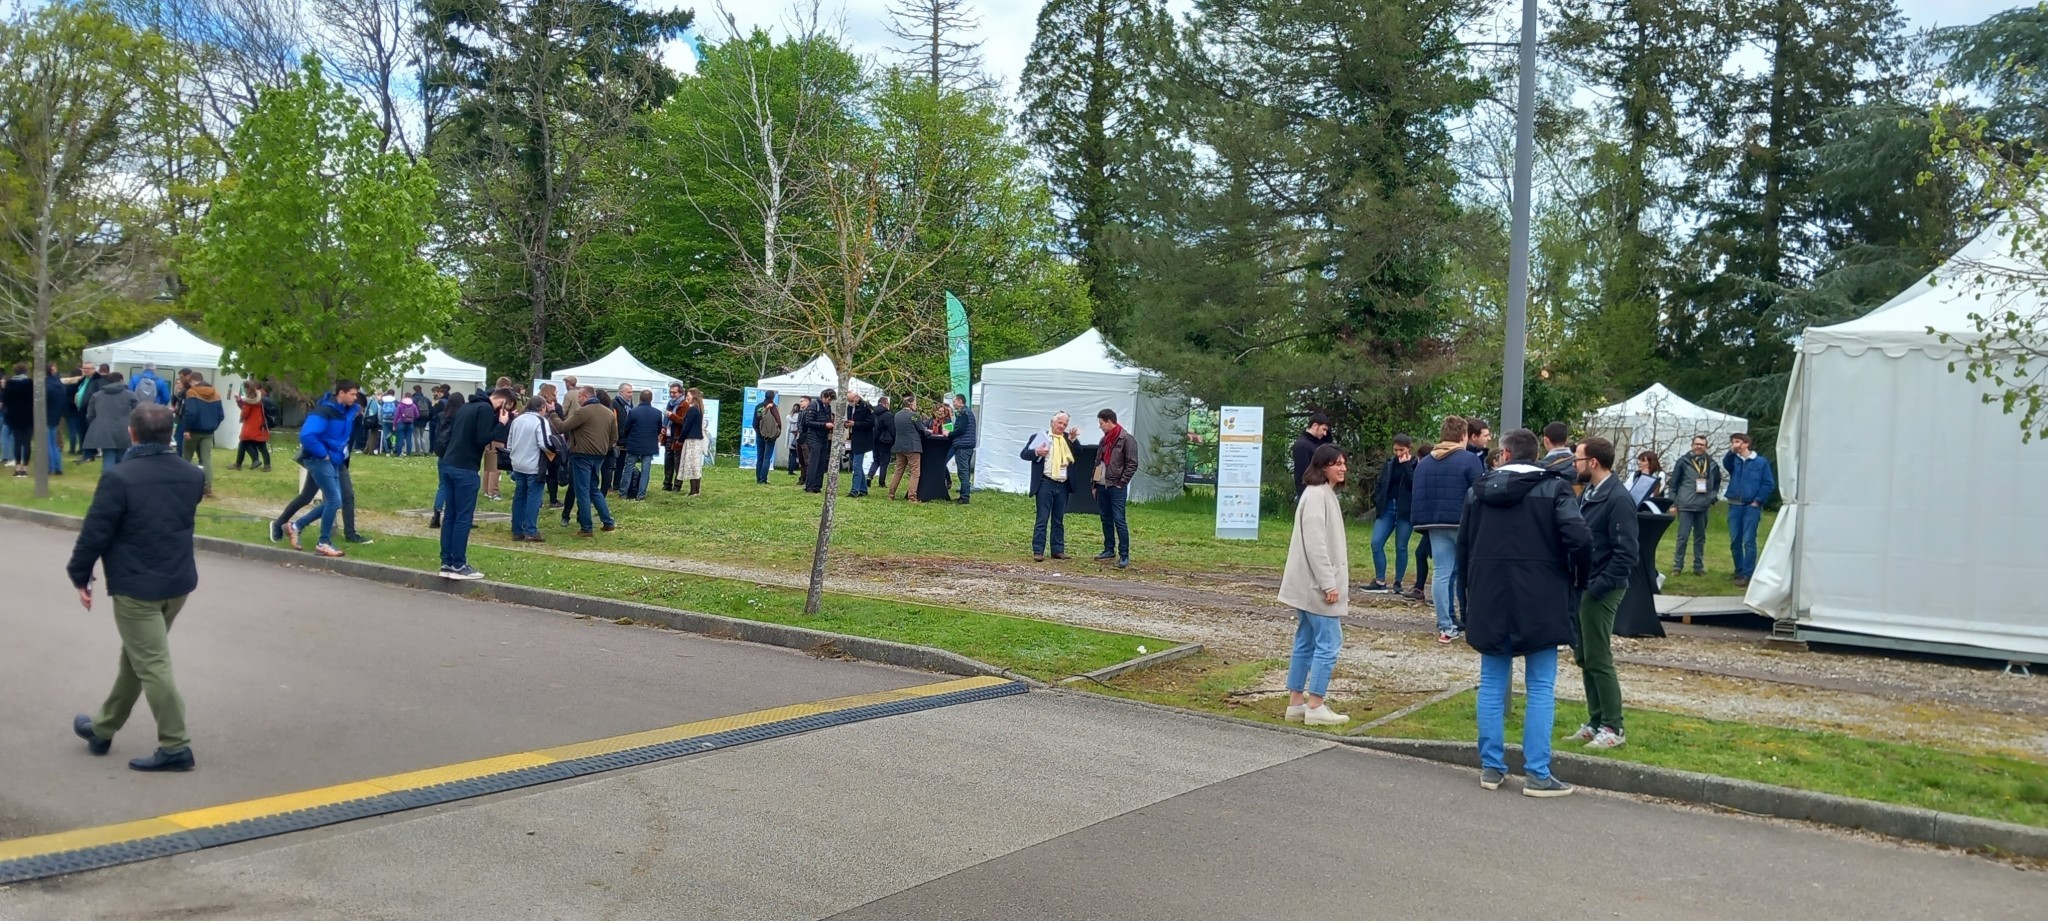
[[139, 530], [1522, 544], [815, 427], [1315, 435], [1558, 458], [965, 438], [860, 431], [640, 433], [1611, 519], [477, 428], [885, 437]]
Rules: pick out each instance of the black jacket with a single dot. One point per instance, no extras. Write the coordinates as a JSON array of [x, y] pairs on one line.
[[885, 429], [1396, 488], [140, 527], [860, 423], [964, 430], [1522, 544], [816, 423], [642, 429], [20, 401], [1611, 518], [1305, 446], [476, 426], [57, 399]]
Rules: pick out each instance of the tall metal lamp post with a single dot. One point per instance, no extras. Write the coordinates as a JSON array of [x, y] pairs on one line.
[[1516, 357]]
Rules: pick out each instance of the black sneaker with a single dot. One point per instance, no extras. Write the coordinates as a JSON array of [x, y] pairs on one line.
[[277, 532], [358, 539], [466, 574], [1106, 555], [1377, 587]]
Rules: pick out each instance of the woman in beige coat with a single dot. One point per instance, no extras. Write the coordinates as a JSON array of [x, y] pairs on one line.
[[1316, 584]]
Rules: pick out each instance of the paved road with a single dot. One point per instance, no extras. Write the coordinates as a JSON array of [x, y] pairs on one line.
[[1046, 806]]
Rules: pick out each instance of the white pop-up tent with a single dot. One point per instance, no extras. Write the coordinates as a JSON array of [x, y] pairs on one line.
[[1661, 421], [438, 367], [815, 377], [1081, 377], [171, 347], [619, 367], [1912, 513]]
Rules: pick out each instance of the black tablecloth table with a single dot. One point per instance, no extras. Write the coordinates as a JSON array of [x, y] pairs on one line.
[[1638, 614], [934, 483]]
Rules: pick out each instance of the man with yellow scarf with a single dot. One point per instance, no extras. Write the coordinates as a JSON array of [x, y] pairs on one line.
[[1051, 454]]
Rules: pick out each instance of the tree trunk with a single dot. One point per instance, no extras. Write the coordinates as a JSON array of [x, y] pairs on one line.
[[836, 448], [39, 373]]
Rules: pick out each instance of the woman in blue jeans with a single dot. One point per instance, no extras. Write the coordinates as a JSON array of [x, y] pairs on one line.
[[1317, 584], [1394, 496]]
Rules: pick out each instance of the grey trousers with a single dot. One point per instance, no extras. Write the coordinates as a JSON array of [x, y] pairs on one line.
[[1691, 525]]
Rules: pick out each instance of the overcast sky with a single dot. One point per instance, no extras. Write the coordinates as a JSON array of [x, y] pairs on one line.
[[1007, 26]]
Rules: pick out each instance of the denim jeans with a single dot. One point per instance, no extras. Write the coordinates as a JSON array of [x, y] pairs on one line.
[[56, 451], [1316, 641], [1052, 515], [1112, 502], [321, 472], [1742, 525], [1443, 549], [526, 493], [589, 469], [859, 461], [401, 438], [639, 468], [764, 458], [963, 461], [1384, 526], [455, 524], [74, 430], [1539, 673], [109, 457]]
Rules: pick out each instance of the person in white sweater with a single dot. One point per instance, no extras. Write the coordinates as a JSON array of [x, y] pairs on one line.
[[1315, 584]]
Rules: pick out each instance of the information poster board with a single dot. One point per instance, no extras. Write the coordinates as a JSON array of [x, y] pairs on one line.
[[1240, 452], [750, 400], [711, 433]]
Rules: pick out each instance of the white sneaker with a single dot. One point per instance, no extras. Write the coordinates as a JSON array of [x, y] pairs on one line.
[[1294, 712], [1585, 734], [1324, 716], [1607, 738]]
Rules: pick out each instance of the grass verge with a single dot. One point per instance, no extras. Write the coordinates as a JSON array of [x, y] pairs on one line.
[[1214, 684], [1041, 649], [1985, 786]]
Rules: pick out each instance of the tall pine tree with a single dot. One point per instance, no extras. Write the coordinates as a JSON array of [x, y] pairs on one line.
[[1093, 113]]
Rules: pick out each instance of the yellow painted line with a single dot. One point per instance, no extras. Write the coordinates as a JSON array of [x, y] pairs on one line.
[[86, 837], [265, 807]]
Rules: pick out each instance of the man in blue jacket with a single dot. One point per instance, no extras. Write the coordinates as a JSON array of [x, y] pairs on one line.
[[1442, 479], [146, 382], [1750, 483], [964, 440], [640, 433], [323, 451]]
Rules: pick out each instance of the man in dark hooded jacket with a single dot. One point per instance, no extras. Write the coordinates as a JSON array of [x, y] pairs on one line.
[[1523, 550], [1315, 435]]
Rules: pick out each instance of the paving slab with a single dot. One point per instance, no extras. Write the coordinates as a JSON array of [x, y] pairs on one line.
[[294, 679]]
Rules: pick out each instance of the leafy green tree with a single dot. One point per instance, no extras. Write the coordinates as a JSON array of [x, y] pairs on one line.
[[310, 264], [1303, 262], [1094, 114], [78, 91], [542, 93]]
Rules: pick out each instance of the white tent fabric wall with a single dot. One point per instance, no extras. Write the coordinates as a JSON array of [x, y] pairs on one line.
[[1662, 421], [171, 347], [1081, 377], [1912, 508]]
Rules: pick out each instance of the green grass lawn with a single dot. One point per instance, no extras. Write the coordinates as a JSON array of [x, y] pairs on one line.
[[1041, 649], [1987, 786], [1720, 557], [737, 520]]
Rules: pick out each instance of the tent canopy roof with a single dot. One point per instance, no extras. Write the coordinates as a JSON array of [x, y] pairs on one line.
[[167, 345], [1088, 352], [816, 376], [1984, 277], [437, 365], [1659, 400], [618, 366]]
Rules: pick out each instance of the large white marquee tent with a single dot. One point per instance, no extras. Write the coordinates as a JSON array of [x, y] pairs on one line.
[[1662, 421], [1081, 377], [1912, 513], [438, 367], [619, 367], [172, 347]]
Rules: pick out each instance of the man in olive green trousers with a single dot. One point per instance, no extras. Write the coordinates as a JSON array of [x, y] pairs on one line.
[[140, 530]]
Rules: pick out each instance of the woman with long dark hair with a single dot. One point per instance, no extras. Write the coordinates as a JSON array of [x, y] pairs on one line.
[[442, 427], [1317, 584]]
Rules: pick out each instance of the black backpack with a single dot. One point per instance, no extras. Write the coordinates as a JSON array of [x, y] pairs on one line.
[[270, 414]]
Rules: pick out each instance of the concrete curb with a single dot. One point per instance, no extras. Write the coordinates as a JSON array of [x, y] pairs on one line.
[[1138, 664], [1907, 822], [815, 642]]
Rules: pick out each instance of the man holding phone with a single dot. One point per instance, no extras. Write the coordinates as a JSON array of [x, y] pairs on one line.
[[139, 530], [476, 430]]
